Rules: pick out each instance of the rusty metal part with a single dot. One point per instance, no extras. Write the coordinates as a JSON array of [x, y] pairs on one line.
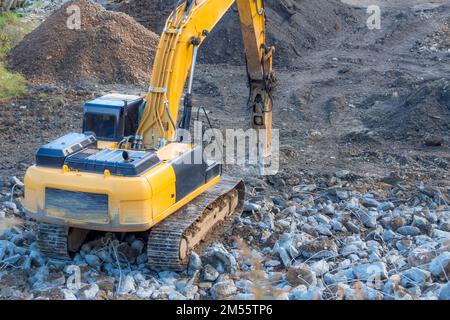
[[76, 239], [195, 225]]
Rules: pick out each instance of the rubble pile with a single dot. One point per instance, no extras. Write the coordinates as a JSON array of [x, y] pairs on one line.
[[100, 47], [323, 240]]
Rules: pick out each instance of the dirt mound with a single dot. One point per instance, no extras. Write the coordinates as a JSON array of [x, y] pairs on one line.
[[293, 27], [109, 48], [424, 112]]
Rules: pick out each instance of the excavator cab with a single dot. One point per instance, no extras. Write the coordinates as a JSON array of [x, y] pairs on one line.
[[112, 117]]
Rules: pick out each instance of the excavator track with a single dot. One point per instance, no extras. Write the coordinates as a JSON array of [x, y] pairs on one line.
[[195, 225], [52, 241]]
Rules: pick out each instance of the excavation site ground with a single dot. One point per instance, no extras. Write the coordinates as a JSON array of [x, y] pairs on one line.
[[363, 188]]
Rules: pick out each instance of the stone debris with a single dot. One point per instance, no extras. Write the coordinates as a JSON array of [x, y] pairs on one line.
[[330, 246]]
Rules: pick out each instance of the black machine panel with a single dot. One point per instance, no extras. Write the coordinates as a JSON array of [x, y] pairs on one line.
[[54, 153], [192, 172], [118, 162]]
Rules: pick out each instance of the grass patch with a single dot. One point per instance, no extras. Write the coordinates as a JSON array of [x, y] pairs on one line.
[[12, 31], [12, 85]]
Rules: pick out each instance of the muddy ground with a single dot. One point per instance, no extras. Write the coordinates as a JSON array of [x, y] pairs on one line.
[[341, 107], [374, 104]]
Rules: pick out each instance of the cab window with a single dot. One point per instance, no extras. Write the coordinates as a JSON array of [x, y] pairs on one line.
[[104, 125]]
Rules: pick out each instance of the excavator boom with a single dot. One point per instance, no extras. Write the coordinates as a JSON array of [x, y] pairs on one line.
[[186, 29]]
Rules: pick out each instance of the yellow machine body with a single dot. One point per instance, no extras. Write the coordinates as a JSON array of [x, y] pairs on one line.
[[134, 203]]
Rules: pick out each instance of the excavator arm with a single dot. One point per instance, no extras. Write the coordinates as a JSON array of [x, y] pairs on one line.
[[185, 30]]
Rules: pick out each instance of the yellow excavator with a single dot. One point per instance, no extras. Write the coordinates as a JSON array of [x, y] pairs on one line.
[[129, 171]]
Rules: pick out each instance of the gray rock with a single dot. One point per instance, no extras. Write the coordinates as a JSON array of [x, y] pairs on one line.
[[388, 235], [218, 257], [369, 220], [144, 293], [138, 246], [245, 285], [371, 294], [301, 292], [350, 226], [374, 257], [10, 205], [441, 235], [195, 263], [370, 271], [103, 255], [166, 290], [68, 294], [349, 249], [285, 247], [424, 226], [320, 267], [421, 255], [175, 295], [309, 230], [396, 222], [409, 231], [244, 297], [319, 249], [126, 253], [189, 291], [250, 207], [86, 248], [354, 258], [93, 260], [329, 209], [369, 202], [342, 276], [440, 266], [209, 273], [343, 194], [415, 277], [321, 219], [14, 181], [142, 259], [223, 289], [445, 226], [26, 265], [337, 226], [404, 245], [88, 292], [384, 206], [168, 278], [137, 276], [301, 276], [341, 174], [272, 263], [323, 230], [49, 280], [127, 286], [444, 293], [105, 283]]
